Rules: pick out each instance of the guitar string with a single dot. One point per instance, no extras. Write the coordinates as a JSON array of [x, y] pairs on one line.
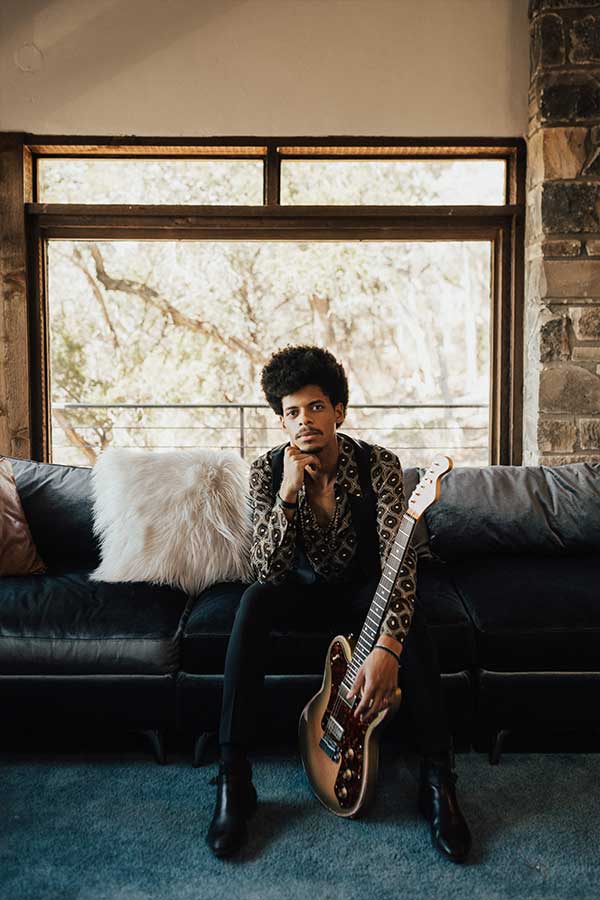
[[338, 702]]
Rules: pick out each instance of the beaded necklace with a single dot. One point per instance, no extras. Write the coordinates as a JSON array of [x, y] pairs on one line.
[[330, 532]]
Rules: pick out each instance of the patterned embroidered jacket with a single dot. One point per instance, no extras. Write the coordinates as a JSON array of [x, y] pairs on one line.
[[330, 555]]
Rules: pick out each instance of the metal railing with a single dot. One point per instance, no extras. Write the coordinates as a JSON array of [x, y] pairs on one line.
[[244, 428]]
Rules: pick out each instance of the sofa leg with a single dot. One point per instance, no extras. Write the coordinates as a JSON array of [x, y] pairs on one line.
[[201, 746], [157, 743], [497, 745]]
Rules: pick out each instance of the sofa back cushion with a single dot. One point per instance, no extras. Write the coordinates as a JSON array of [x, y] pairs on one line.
[[57, 501], [18, 553], [516, 509]]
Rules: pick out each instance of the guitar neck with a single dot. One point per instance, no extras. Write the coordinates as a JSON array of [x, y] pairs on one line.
[[370, 630]]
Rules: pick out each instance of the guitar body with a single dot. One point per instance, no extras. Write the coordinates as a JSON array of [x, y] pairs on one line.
[[340, 754]]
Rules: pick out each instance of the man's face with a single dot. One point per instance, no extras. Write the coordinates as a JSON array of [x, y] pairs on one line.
[[310, 410]]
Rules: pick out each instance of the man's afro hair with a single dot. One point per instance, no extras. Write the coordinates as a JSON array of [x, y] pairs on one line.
[[292, 368]]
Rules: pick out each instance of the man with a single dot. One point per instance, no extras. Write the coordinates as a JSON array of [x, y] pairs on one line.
[[325, 513]]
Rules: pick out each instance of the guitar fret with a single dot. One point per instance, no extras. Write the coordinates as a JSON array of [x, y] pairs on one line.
[[376, 611]]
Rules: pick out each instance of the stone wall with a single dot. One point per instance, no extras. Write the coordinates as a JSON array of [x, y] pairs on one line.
[[562, 282]]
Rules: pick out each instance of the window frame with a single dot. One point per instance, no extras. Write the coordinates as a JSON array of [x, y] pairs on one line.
[[502, 226]]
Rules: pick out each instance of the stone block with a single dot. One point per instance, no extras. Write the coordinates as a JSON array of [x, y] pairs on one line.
[[568, 97], [569, 208], [584, 38], [540, 6], [586, 354], [589, 434], [559, 153], [533, 223], [591, 147], [554, 340], [547, 42], [557, 435], [561, 248], [548, 460], [567, 388], [535, 278], [535, 158], [592, 247], [586, 324], [573, 278]]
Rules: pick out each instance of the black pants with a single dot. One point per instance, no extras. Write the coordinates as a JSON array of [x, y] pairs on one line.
[[333, 607]]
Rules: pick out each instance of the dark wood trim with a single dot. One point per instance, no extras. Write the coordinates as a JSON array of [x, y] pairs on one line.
[[503, 226], [290, 222], [15, 189], [54, 144], [39, 345], [501, 388], [517, 343], [78, 212], [272, 178]]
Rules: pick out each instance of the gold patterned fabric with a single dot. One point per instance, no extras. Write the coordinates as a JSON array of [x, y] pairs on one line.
[[331, 550]]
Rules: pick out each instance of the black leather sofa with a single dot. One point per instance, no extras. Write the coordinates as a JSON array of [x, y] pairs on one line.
[[509, 576]]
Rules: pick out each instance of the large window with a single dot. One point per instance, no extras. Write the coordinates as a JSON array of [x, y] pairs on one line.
[[165, 282]]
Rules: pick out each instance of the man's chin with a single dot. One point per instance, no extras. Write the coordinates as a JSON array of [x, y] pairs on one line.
[[312, 446]]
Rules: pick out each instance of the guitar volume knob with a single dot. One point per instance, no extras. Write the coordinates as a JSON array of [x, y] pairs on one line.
[[347, 774]]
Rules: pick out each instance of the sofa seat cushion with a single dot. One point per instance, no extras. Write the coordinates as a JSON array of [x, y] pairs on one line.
[[63, 623], [301, 647], [533, 613]]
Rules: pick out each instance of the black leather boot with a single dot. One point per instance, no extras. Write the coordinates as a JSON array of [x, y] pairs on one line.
[[438, 804], [236, 802]]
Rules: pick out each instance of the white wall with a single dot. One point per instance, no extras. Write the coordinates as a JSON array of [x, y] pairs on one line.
[[261, 67]]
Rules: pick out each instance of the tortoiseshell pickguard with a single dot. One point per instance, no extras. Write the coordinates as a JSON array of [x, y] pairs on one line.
[[348, 783]]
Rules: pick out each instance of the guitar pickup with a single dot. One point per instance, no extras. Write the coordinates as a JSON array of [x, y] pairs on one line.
[[335, 728]]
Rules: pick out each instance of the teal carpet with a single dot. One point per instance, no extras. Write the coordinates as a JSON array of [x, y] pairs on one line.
[[114, 825]]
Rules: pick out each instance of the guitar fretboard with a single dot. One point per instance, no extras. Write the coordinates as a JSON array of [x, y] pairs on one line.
[[372, 624]]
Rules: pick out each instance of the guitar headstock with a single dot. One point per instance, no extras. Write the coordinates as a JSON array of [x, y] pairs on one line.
[[428, 489]]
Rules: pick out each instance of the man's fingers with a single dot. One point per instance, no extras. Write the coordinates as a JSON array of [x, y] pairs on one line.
[[371, 704], [299, 454], [368, 695]]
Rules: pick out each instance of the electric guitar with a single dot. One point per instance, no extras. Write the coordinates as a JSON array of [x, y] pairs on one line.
[[339, 752]]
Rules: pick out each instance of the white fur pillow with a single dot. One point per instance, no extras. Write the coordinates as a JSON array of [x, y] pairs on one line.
[[179, 517]]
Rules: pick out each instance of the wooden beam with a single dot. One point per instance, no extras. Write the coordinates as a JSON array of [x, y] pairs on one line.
[[15, 191]]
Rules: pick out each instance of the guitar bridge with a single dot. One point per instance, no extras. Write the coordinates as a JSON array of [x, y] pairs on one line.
[[330, 747]]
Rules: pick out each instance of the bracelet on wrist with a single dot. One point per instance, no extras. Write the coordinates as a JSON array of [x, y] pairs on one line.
[[285, 503], [388, 650]]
